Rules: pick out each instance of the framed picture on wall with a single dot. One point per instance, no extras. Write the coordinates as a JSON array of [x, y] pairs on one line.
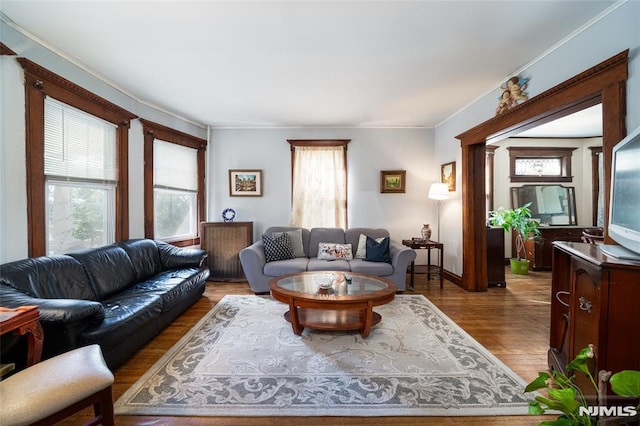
[[245, 183], [393, 181], [448, 175]]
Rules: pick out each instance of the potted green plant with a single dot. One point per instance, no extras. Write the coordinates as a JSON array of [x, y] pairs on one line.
[[526, 228], [562, 395]]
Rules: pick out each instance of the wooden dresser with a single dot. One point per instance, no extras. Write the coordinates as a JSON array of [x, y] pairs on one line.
[[594, 300], [223, 242], [540, 249]]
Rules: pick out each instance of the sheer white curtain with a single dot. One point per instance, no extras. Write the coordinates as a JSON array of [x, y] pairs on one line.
[[319, 187]]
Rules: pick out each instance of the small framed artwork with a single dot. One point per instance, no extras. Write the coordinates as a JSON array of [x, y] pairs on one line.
[[448, 175], [393, 181], [245, 183]]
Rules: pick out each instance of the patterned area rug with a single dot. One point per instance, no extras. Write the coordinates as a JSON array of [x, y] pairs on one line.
[[242, 359]]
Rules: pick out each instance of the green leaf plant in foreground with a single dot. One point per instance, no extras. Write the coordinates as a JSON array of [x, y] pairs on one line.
[[564, 396]]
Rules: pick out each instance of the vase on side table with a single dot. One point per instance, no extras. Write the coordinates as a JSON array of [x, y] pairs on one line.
[[425, 232]]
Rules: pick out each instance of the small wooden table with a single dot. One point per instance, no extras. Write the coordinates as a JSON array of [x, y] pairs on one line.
[[428, 245], [346, 305], [24, 321]]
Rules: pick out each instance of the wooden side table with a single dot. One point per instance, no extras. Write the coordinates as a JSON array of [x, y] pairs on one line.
[[24, 321], [428, 245]]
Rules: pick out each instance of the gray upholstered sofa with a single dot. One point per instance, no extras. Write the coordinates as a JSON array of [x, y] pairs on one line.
[[259, 271]]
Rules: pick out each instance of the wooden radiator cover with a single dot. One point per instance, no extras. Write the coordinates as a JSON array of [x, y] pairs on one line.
[[223, 242]]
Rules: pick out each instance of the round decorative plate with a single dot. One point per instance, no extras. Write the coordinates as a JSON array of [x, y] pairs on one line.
[[228, 215]]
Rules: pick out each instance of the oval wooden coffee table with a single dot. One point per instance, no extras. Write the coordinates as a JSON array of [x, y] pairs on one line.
[[347, 304]]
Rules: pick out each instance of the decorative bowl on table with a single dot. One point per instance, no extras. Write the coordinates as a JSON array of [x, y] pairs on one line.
[[325, 281]]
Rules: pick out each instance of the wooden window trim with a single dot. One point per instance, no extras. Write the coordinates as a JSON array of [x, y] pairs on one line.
[[596, 152], [564, 154], [153, 131], [39, 83]]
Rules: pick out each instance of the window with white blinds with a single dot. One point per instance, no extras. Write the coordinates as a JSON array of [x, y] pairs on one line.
[[78, 145], [80, 175], [175, 188]]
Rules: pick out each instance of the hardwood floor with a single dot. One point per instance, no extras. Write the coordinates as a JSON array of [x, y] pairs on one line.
[[512, 322]]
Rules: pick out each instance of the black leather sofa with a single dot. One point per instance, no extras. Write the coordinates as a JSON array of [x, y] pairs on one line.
[[118, 296]]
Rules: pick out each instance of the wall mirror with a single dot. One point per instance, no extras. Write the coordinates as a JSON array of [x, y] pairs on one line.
[[550, 204]]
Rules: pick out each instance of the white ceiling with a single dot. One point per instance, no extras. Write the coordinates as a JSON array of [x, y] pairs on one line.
[[303, 63]]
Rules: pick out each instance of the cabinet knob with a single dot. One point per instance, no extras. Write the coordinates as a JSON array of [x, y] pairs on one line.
[[585, 305]]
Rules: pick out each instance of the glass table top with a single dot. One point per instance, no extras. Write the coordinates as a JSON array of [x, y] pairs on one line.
[[333, 283]]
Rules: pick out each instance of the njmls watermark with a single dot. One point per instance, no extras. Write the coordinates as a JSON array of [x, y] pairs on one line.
[[613, 411]]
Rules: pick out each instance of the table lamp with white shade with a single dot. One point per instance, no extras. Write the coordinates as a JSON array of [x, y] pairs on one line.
[[438, 192]]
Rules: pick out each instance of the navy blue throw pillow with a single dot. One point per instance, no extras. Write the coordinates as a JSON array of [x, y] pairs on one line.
[[378, 252]]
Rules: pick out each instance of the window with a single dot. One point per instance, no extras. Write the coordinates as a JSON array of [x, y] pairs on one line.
[[79, 168], [319, 183], [77, 165], [532, 164], [174, 184]]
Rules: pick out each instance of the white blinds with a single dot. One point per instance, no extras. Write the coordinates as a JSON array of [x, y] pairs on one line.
[[77, 145], [174, 166]]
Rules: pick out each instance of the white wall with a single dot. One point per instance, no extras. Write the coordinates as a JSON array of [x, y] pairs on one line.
[[419, 151], [13, 185], [369, 152], [614, 32]]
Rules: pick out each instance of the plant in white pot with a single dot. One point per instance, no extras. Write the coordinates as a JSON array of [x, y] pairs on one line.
[[526, 228]]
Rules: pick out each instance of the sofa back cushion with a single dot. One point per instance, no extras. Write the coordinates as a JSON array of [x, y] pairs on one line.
[[352, 236], [48, 277], [292, 232], [109, 269], [324, 235], [145, 257]]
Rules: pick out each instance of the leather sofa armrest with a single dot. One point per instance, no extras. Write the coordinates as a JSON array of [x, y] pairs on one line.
[[55, 310], [173, 257]]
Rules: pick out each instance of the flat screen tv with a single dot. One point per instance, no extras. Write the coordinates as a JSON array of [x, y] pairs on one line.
[[624, 210]]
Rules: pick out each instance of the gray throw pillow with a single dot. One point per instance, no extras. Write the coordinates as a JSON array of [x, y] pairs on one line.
[[295, 239]]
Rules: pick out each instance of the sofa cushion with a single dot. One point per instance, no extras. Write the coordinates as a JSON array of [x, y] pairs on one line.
[[304, 231], [323, 235], [378, 251], [172, 286], [109, 269], [295, 239], [277, 248], [316, 264], [362, 266], [125, 313], [354, 236], [283, 267], [334, 251], [48, 277], [145, 257]]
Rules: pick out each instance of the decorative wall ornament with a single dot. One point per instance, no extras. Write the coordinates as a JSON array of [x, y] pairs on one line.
[[513, 93], [228, 215], [393, 181]]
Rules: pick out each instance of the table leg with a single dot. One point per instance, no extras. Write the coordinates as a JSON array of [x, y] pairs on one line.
[[413, 269], [441, 268], [34, 334], [368, 320], [428, 263], [295, 320]]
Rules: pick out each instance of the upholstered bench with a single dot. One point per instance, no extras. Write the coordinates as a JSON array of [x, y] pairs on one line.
[[53, 389]]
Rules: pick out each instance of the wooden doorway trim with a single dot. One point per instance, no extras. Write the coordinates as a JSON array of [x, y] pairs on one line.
[[604, 83]]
